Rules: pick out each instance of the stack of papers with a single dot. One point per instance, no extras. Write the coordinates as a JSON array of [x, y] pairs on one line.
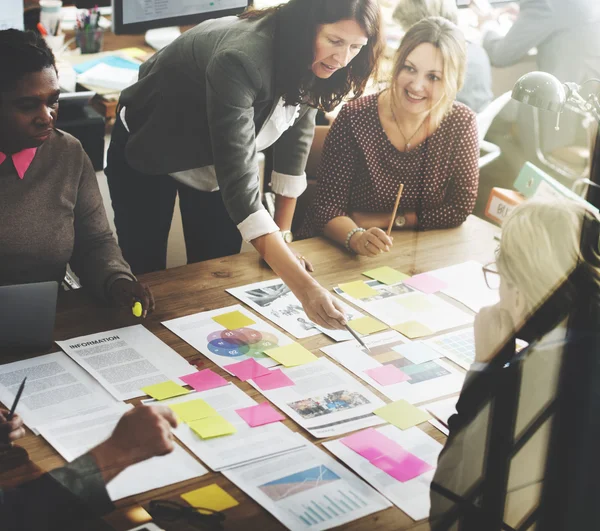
[[108, 77]]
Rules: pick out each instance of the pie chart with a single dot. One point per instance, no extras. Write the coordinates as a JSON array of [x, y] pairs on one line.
[[241, 342]]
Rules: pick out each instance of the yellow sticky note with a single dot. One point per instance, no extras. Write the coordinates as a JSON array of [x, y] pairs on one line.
[[193, 410], [291, 355], [416, 303], [165, 390], [211, 497], [412, 329], [358, 289], [136, 53], [386, 274], [366, 325], [233, 320], [402, 414], [212, 427]]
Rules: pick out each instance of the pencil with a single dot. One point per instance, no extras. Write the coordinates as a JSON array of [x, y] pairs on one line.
[[389, 229], [357, 337], [14, 406]]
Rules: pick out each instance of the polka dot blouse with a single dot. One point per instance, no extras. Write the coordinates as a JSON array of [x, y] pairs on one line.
[[361, 170]]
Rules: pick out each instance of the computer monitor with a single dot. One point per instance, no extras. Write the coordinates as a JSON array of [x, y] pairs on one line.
[[138, 16]]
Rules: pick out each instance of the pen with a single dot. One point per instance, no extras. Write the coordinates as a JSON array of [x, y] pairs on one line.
[[356, 336], [42, 29], [136, 309], [14, 406]]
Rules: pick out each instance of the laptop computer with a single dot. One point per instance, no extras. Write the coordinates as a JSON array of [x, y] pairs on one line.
[[27, 315]]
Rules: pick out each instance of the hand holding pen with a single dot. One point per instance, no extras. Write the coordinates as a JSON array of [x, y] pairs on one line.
[[132, 294], [11, 425]]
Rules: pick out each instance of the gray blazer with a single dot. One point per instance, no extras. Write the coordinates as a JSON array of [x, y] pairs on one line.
[[202, 100], [565, 32]]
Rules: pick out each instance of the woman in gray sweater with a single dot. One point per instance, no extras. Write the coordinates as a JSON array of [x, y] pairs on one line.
[[203, 108]]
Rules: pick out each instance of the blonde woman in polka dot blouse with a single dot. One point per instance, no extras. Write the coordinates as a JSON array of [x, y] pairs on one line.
[[413, 133]]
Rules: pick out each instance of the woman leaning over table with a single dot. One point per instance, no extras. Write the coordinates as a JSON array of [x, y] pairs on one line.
[[51, 210], [413, 133], [202, 109]]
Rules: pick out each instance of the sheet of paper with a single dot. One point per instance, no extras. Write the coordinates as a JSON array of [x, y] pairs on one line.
[[74, 436], [244, 370], [204, 380], [126, 359], [233, 320], [11, 15], [412, 496], [358, 289], [465, 283], [210, 497], [325, 400], [400, 303], [292, 355], [259, 415], [402, 414], [439, 426], [110, 77], [193, 410], [426, 283], [443, 409], [56, 388], [164, 390], [458, 346], [413, 329], [428, 381], [274, 300], [386, 274], [417, 352], [223, 346], [367, 325], [387, 375], [246, 444], [307, 489], [274, 380]]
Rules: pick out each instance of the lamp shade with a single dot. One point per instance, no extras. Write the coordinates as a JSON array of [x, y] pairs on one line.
[[541, 90]]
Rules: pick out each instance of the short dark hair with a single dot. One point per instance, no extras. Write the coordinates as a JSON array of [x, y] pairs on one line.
[[22, 52], [296, 30]]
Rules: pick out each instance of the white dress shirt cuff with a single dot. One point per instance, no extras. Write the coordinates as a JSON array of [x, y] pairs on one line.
[[288, 185], [257, 224]]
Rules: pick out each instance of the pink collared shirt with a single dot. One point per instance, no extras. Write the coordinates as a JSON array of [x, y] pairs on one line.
[[22, 160]]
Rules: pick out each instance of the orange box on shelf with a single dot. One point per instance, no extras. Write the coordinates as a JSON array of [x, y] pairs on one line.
[[501, 202]]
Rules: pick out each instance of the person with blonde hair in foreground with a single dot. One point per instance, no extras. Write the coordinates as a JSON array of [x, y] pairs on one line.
[[547, 272]]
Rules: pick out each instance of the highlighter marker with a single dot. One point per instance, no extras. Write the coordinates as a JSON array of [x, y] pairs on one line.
[[136, 309]]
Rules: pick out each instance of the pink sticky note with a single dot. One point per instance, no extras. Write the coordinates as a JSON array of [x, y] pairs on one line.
[[387, 375], [204, 380], [274, 380], [403, 467], [362, 443], [259, 415], [426, 283], [247, 369]]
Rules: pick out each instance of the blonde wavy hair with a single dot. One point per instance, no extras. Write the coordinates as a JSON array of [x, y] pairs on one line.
[[450, 42], [542, 246], [409, 12]]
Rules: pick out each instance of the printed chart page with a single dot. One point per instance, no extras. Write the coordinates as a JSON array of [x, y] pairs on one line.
[[246, 444], [223, 345], [56, 388], [73, 437], [275, 301], [127, 359], [427, 376], [308, 489], [325, 400], [411, 496]]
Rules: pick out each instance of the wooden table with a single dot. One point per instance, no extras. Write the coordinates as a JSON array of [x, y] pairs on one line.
[[201, 287]]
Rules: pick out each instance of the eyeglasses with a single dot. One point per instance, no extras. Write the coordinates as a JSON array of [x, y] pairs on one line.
[[201, 517], [491, 275]]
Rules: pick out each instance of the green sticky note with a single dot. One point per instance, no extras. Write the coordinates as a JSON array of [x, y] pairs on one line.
[[412, 329], [233, 320], [366, 325], [212, 427], [211, 497], [386, 274], [291, 355], [193, 410], [416, 303], [358, 289], [402, 414], [165, 390]]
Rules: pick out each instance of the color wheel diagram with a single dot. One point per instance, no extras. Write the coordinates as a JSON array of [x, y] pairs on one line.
[[241, 342]]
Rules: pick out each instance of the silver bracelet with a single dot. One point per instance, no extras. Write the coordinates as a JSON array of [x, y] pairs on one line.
[[350, 234]]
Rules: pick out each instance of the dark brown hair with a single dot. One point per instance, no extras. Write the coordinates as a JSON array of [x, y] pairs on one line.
[[296, 29]]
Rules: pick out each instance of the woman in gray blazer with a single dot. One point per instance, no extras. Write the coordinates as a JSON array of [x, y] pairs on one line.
[[202, 109]]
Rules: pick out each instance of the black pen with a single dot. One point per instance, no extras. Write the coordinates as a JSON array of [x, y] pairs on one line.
[[14, 406], [357, 337]]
